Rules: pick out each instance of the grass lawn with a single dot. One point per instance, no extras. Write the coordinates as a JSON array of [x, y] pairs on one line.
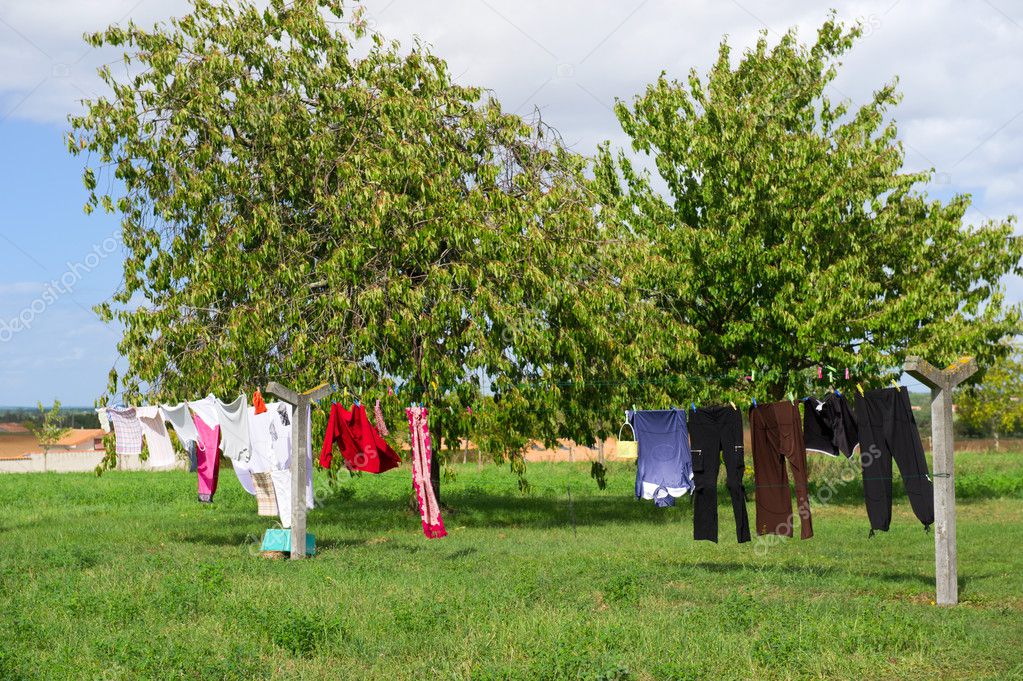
[[127, 576]]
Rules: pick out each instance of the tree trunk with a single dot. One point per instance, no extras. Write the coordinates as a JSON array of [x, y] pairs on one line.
[[997, 444], [435, 468]]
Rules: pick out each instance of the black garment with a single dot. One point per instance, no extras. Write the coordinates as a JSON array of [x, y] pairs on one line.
[[713, 430], [193, 464], [829, 426], [887, 428]]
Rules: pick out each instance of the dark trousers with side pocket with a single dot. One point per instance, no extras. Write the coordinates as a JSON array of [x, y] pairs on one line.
[[777, 433], [714, 431], [887, 430]]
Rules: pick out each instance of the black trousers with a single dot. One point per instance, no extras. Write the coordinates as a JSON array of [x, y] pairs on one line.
[[888, 430], [713, 430]]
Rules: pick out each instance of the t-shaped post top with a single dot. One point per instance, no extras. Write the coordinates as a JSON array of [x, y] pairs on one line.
[[292, 397], [940, 379]]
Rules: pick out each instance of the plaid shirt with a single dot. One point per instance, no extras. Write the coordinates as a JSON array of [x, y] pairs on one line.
[[127, 431]]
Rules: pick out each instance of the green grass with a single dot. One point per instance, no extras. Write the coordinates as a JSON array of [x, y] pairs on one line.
[[126, 576]]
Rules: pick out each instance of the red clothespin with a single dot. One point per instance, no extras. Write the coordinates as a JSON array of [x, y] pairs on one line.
[[847, 373], [820, 372], [390, 391]]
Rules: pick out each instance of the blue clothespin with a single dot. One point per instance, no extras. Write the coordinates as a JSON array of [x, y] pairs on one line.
[[693, 405], [754, 401], [838, 392]]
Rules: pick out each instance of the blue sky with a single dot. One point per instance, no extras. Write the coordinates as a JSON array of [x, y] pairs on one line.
[[52, 345], [960, 65]]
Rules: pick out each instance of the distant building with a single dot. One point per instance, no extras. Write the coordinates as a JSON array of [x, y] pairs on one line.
[[81, 440], [13, 429]]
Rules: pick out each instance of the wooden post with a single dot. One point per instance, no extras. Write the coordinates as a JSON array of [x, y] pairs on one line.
[[942, 382], [300, 437]]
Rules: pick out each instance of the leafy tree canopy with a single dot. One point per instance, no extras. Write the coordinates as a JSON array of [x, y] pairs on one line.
[[305, 202], [781, 231], [993, 404]]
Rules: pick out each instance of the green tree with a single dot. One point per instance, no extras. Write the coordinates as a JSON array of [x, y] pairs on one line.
[[993, 404], [49, 429], [782, 232], [303, 201]]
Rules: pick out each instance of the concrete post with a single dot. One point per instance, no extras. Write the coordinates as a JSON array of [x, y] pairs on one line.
[[300, 437], [942, 382]]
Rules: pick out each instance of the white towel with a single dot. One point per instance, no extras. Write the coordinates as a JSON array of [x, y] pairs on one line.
[[161, 451]]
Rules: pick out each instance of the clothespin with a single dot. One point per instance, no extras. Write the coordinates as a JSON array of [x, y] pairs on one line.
[[693, 405], [859, 387], [732, 405], [754, 401], [838, 392], [390, 391], [469, 410], [790, 397], [894, 384], [847, 373], [820, 372]]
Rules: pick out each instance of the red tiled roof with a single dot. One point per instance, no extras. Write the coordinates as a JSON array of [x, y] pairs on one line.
[[81, 435]]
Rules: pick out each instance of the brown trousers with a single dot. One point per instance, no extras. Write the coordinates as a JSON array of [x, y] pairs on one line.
[[777, 433]]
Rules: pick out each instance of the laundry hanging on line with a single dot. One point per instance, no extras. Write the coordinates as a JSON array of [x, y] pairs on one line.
[[422, 456], [664, 469], [158, 443], [829, 425], [777, 436], [358, 440], [715, 434]]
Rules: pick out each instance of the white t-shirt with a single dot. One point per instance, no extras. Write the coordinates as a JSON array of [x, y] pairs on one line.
[[104, 420], [281, 476], [206, 410], [234, 430], [181, 420], [270, 437]]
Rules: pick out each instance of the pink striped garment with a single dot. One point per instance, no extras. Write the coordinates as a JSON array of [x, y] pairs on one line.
[[429, 509]]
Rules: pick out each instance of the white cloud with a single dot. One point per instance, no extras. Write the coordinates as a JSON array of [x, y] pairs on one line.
[[21, 288]]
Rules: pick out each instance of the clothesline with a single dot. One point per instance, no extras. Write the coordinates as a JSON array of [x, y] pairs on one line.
[[258, 441], [680, 453]]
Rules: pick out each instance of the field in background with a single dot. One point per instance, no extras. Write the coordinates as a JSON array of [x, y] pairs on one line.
[[126, 576]]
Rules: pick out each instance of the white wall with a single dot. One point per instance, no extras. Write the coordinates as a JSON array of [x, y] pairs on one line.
[[70, 462]]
